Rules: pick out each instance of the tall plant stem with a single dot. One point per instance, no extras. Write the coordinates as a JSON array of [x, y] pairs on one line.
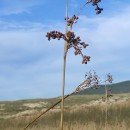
[[64, 70], [63, 87], [106, 108]]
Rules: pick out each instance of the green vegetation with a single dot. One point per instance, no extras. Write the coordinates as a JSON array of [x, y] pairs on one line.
[[117, 88]]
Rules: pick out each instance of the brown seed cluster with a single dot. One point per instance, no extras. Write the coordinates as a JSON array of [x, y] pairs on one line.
[[72, 41], [109, 92], [55, 35], [95, 3], [85, 59], [98, 10], [109, 78], [71, 21], [92, 81]]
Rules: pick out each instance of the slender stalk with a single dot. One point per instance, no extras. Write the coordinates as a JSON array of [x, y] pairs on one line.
[[106, 106], [63, 87], [42, 113], [51, 107], [64, 70]]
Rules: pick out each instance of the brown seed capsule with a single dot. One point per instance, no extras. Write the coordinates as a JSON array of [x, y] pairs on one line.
[[85, 45], [77, 51], [85, 59]]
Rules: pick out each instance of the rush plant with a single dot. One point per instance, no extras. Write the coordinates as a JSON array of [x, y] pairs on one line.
[[108, 79], [71, 41]]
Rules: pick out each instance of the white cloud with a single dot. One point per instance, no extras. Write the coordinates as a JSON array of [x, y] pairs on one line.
[[28, 61], [22, 26], [17, 6]]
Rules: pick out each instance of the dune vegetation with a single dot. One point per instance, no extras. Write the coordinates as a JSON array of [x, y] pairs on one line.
[[87, 113]]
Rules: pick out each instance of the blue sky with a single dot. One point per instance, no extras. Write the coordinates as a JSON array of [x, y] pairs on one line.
[[31, 66]]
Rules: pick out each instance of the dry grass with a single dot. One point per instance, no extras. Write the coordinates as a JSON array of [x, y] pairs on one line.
[[76, 118], [73, 126]]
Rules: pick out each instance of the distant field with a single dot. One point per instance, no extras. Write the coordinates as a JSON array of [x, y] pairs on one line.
[[13, 107], [81, 112]]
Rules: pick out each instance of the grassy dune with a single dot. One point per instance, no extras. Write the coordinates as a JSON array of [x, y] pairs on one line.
[[77, 117]]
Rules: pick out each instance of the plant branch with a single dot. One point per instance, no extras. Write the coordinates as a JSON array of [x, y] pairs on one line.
[[90, 82]]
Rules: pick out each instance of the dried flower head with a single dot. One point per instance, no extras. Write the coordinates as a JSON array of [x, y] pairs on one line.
[[71, 21], [98, 10], [85, 59], [109, 78], [72, 42], [95, 3], [92, 81]]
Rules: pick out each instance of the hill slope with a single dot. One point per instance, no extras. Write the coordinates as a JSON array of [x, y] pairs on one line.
[[117, 88]]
